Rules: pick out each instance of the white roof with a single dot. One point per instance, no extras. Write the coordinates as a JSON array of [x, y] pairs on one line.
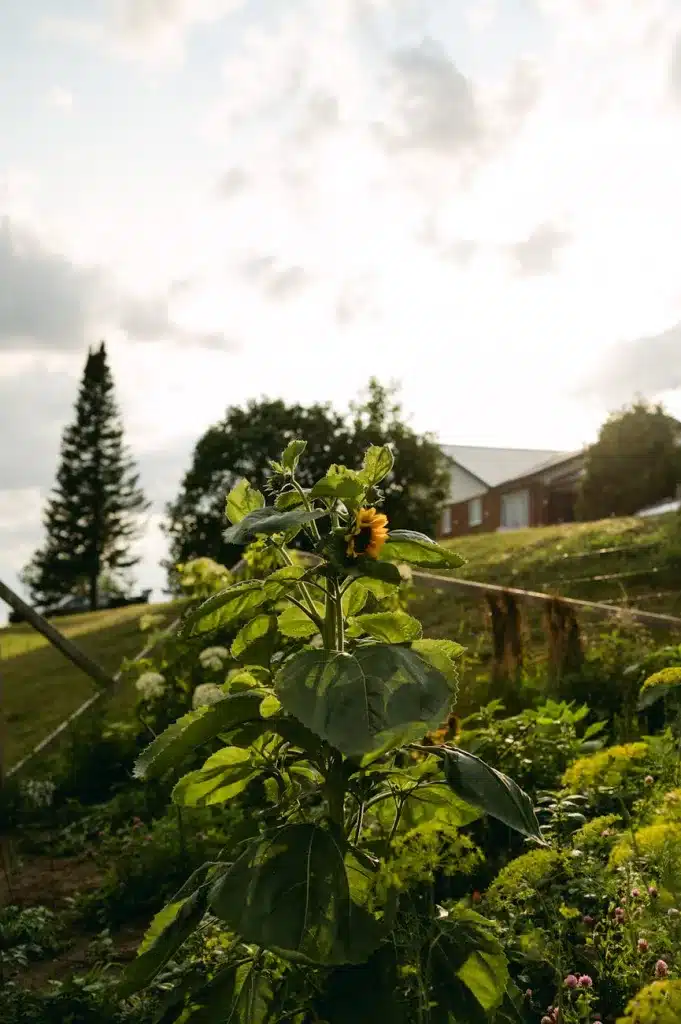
[[659, 510], [496, 465]]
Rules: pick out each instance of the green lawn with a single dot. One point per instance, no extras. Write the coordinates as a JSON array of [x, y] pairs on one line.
[[40, 687]]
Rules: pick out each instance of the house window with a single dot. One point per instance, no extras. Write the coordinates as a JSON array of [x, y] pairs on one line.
[[446, 525], [475, 512], [515, 510]]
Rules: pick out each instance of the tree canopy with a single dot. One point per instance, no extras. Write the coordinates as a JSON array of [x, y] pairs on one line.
[[92, 515], [244, 442], [635, 462]]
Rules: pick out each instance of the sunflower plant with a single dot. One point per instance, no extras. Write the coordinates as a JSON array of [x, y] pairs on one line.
[[326, 892]]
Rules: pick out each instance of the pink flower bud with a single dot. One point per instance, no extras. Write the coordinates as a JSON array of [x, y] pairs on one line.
[[546, 1020], [661, 969], [649, 780], [619, 914], [642, 945], [635, 893], [652, 891], [572, 981], [587, 920], [585, 981], [528, 993]]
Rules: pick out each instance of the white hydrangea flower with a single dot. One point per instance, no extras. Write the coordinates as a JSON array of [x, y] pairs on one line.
[[39, 792], [213, 657], [206, 693], [151, 684]]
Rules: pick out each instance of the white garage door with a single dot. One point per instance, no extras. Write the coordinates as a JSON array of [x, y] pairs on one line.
[[515, 510]]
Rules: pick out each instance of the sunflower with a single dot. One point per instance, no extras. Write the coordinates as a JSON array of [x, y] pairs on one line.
[[369, 534]]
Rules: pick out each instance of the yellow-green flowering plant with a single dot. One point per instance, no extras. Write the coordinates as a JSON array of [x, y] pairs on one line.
[[325, 895]]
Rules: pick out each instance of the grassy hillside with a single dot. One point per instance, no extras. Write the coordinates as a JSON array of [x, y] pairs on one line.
[[626, 560], [40, 687]]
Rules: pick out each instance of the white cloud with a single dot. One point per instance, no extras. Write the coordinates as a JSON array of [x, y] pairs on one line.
[[60, 99], [50, 302]]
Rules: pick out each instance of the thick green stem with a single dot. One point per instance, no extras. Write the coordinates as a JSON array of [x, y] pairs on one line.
[[329, 634], [340, 624]]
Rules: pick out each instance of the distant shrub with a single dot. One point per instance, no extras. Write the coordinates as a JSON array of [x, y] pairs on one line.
[[608, 768]]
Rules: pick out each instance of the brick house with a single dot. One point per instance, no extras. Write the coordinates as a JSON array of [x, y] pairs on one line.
[[509, 488]]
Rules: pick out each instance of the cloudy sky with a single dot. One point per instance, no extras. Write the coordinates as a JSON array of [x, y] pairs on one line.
[[479, 198]]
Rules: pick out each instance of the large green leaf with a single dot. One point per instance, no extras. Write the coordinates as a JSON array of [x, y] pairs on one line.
[[389, 627], [288, 499], [354, 598], [269, 520], [291, 455], [383, 571], [239, 993], [443, 654], [486, 976], [378, 462], [465, 968], [170, 928], [418, 549], [427, 806], [255, 642], [294, 622], [381, 588], [358, 701], [289, 893], [241, 500], [224, 608], [659, 685], [284, 579], [197, 727], [224, 775], [493, 792], [339, 482]]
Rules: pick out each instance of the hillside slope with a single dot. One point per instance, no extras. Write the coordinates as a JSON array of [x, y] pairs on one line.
[[40, 687], [629, 560]]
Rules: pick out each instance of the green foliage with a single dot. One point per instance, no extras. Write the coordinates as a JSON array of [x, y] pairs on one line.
[[356, 702], [608, 768], [640, 435], [535, 746], [658, 685], [418, 549], [490, 790], [656, 1003], [91, 518]]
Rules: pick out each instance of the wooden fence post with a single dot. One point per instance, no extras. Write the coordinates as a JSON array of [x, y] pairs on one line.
[[565, 650], [506, 634]]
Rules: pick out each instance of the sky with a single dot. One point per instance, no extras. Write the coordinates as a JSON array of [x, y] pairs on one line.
[[477, 198]]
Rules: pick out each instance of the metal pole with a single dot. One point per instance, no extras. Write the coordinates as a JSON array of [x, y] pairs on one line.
[[68, 649]]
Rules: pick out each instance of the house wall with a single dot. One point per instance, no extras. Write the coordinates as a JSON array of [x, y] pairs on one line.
[[463, 485], [544, 507], [491, 510]]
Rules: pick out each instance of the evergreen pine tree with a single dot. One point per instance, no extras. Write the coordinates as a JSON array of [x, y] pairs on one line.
[[92, 515]]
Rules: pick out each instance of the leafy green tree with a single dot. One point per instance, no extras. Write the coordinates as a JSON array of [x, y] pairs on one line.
[[635, 462], [242, 446], [93, 514], [248, 439]]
